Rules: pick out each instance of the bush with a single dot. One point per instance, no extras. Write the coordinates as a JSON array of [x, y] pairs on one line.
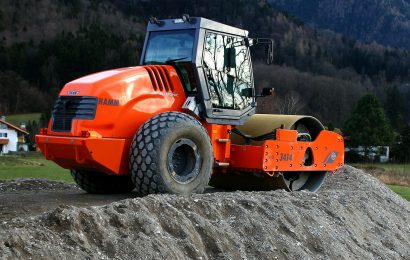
[[354, 157]]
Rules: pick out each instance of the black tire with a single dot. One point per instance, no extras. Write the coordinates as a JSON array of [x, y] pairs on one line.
[[171, 153], [101, 183]]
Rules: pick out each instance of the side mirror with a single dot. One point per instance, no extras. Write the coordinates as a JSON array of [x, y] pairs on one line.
[[269, 46], [267, 92], [248, 42], [249, 92]]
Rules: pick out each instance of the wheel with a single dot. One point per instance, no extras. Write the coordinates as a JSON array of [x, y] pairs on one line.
[[171, 153], [310, 181], [305, 180], [101, 183]]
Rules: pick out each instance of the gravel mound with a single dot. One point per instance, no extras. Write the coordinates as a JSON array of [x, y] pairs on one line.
[[354, 216], [30, 184]]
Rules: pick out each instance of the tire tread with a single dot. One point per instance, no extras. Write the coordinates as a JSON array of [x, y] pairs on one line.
[[144, 149], [101, 183]]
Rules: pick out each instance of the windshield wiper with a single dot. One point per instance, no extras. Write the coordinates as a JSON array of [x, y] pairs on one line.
[[174, 60]]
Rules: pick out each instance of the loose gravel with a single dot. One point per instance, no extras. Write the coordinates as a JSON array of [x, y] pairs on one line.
[[354, 216]]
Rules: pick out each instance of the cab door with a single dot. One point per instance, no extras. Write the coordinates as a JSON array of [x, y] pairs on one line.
[[228, 71]]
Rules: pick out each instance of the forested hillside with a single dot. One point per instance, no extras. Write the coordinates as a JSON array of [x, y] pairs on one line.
[[46, 43], [384, 21]]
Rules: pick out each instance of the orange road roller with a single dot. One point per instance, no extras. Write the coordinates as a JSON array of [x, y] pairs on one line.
[[185, 119]]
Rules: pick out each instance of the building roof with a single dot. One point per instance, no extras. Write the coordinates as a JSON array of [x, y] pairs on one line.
[[18, 129]]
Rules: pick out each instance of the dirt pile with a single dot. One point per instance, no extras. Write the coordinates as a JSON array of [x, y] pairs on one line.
[[30, 184], [353, 216]]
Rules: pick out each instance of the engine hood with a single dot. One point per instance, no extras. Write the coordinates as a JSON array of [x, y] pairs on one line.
[[125, 98]]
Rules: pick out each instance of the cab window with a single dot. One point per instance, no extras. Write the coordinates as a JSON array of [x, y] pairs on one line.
[[174, 47], [228, 70], [165, 46]]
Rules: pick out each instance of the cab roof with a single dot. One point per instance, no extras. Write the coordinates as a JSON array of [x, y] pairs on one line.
[[195, 23]]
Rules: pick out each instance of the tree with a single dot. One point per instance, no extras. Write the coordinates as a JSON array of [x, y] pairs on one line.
[[291, 104], [395, 108], [18, 96], [407, 105], [45, 117], [1, 21], [401, 147], [33, 129], [368, 125]]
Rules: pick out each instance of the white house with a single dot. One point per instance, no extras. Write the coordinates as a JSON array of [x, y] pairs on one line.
[[11, 138]]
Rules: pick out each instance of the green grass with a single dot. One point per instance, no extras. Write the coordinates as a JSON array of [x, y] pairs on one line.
[[394, 167], [17, 119], [401, 190], [32, 165]]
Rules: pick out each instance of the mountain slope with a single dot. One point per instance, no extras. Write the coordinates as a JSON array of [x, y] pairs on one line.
[[384, 21], [42, 20], [46, 43]]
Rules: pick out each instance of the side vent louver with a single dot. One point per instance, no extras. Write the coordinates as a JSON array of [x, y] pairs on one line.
[[160, 78]]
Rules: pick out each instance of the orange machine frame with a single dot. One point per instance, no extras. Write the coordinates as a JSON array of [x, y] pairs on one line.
[[283, 154], [110, 155], [287, 154], [103, 144]]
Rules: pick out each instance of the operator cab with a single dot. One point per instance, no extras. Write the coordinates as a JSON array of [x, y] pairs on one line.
[[213, 62]]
